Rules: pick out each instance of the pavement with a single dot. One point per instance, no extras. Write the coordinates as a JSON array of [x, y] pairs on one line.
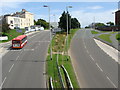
[[93, 67], [114, 41], [25, 68]]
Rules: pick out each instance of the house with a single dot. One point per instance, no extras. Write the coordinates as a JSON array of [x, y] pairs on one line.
[[20, 19]]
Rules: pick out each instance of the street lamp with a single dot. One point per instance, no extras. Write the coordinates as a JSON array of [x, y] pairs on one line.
[[67, 27], [50, 31]]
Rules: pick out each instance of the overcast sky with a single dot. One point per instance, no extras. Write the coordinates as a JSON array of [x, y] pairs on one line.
[[85, 12]]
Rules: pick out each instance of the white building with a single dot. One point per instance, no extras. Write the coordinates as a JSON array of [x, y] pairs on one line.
[[20, 19]]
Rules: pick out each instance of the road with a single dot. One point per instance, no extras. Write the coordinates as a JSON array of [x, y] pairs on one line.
[[93, 67], [25, 68]]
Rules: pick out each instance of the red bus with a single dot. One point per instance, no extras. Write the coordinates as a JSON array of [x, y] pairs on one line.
[[19, 41]]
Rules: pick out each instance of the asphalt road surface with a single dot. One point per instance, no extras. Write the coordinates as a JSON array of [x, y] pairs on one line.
[[93, 67], [25, 68]]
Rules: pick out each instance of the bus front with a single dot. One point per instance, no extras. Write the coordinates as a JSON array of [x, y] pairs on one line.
[[16, 44]]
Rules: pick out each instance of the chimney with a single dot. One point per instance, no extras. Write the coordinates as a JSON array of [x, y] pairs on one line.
[[23, 10]]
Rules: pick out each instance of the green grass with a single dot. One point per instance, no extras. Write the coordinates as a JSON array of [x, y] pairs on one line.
[[105, 37], [69, 68], [12, 34], [94, 32], [52, 70], [118, 37], [58, 44]]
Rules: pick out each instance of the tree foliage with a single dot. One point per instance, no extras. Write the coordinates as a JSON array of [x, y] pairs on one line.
[[42, 22], [4, 26], [110, 23], [99, 24], [72, 22]]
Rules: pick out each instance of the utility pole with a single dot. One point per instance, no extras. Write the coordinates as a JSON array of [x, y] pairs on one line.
[[50, 32], [67, 27]]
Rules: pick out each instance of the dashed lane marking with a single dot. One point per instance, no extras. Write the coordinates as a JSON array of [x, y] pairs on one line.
[[11, 68], [87, 51], [99, 67], [17, 58], [28, 49], [92, 58], [3, 82], [111, 82]]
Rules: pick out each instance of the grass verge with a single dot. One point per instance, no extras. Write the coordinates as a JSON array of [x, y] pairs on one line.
[[59, 44], [118, 37], [12, 34], [94, 32], [105, 37]]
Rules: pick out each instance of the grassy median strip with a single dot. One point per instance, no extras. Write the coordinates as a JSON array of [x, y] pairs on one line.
[[12, 34], [59, 44], [105, 37]]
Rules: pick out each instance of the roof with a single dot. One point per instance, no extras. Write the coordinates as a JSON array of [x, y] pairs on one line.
[[117, 11], [19, 37]]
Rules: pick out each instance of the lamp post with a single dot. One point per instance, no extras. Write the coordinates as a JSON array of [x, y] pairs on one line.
[[50, 31], [67, 27]]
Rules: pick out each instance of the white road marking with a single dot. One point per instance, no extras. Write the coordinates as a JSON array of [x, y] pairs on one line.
[[92, 58], [111, 82], [3, 82], [28, 49], [21, 52], [17, 58], [11, 68], [99, 67], [87, 52], [85, 47]]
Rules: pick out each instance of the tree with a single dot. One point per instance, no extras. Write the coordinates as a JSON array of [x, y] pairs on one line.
[[35, 22], [75, 23], [4, 26], [43, 23], [99, 25], [72, 22], [110, 23]]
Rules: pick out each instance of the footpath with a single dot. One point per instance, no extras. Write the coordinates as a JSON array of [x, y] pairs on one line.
[[111, 51]]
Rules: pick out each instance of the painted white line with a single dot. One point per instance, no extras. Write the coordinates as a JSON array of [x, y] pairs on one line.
[[111, 82], [3, 82], [21, 52], [11, 68], [99, 67], [85, 47], [92, 58], [87, 52], [28, 49], [17, 58]]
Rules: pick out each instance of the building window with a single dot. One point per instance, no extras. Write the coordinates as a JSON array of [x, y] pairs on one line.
[[11, 22]]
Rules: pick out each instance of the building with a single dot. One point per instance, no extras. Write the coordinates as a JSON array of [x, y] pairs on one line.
[[117, 17], [20, 19]]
